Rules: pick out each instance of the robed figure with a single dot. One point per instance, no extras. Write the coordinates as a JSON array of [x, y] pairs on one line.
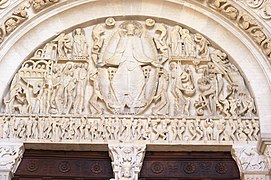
[[131, 52]]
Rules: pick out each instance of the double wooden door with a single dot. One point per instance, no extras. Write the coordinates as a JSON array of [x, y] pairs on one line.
[[62, 165]]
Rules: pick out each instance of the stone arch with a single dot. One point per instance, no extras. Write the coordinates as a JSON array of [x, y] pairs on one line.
[[59, 17]]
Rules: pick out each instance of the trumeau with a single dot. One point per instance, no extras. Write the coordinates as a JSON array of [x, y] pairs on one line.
[[129, 80]]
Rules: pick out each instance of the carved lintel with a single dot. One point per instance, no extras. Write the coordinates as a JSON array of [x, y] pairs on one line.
[[10, 158], [127, 160], [251, 163]]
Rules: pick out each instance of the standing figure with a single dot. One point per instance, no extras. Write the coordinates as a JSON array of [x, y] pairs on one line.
[[80, 47], [162, 107], [97, 33], [176, 41], [81, 88], [233, 129], [256, 129], [96, 94], [221, 130], [209, 125], [202, 49], [189, 44], [70, 94], [64, 45]]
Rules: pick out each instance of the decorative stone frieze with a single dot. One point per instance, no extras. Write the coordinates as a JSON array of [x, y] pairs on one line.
[[260, 7], [150, 130], [38, 5], [246, 22], [127, 160], [10, 157], [23, 12]]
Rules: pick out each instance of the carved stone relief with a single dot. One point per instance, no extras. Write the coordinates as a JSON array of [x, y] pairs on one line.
[[4, 4], [261, 7], [10, 157], [128, 129], [20, 15], [249, 159], [127, 160], [247, 22], [131, 69], [128, 81]]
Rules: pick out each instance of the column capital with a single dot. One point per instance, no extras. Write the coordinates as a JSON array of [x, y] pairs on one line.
[[10, 157], [127, 160], [252, 164]]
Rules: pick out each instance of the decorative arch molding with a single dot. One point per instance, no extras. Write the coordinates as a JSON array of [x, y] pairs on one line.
[[63, 15], [256, 25], [61, 19]]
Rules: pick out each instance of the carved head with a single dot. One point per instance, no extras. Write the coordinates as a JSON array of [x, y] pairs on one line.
[[130, 29], [126, 170]]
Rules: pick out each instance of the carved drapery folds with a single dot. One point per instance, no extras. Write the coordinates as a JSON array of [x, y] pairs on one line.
[[120, 69], [127, 160], [132, 69]]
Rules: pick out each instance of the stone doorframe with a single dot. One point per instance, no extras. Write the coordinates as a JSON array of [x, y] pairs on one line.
[[213, 21], [127, 158], [225, 31]]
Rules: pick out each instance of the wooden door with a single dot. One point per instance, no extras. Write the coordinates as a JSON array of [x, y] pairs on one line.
[[60, 165], [189, 165]]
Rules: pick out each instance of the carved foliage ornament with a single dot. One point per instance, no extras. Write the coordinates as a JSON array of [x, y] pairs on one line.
[[130, 68], [10, 156], [21, 14], [246, 22], [263, 7], [127, 160]]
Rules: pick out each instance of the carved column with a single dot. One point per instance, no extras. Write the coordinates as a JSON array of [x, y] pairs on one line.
[[127, 160], [10, 158], [252, 164]]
